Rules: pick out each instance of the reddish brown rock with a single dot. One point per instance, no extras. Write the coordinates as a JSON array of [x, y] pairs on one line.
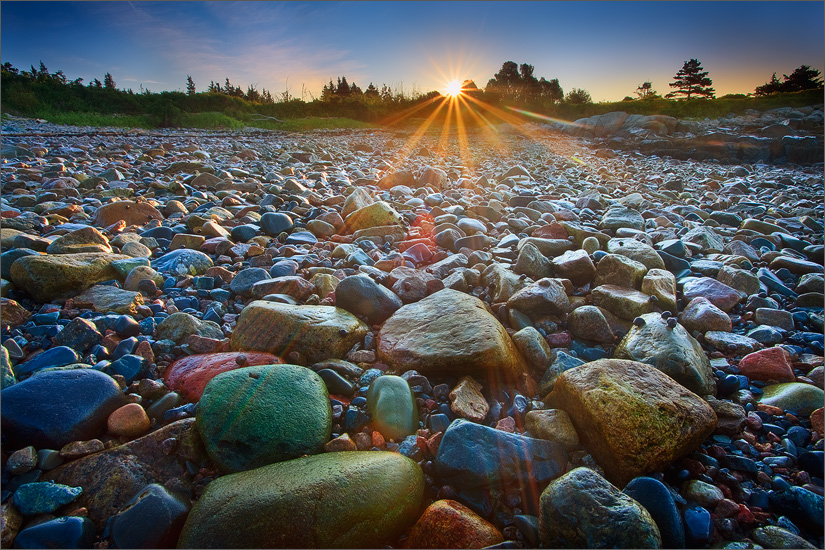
[[449, 524], [817, 421], [12, 313], [189, 375], [768, 364], [133, 213], [129, 421]]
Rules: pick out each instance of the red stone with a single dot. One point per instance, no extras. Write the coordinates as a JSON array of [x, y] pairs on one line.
[[817, 421], [559, 339], [768, 364], [378, 440], [433, 443], [745, 515], [553, 230], [189, 375]]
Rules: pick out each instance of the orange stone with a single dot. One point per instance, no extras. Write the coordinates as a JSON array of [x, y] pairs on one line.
[[129, 421], [189, 375], [450, 524], [816, 421]]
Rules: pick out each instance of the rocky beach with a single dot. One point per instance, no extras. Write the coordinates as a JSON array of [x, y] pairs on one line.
[[606, 334]]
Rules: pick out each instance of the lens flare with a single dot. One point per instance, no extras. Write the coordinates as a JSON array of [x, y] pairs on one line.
[[453, 89]]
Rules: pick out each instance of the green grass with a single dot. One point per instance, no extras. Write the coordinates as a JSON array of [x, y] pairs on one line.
[[98, 120], [310, 123]]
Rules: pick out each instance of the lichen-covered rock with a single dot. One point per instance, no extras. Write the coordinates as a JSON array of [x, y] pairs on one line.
[[631, 417], [63, 275]]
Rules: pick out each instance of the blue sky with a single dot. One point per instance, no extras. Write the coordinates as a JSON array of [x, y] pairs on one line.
[[607, 48]]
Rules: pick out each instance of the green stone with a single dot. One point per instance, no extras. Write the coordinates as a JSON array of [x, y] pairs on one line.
[[392, 406], [179, 326], [254, 416], [123, 267], [359, 499], [793, 396], [43, 497]]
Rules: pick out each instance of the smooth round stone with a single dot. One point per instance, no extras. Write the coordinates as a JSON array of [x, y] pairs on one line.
[[301, 237], [189, 375], [698, 525], [242, 233], [130, 367], [449, 524], [793, 396], [126, 326], [62, 532], [803, 507], [54, 408], [129, 420], [183, 261], [243, 280], [275, 223], [124, 266], [335, 383], [54, 357], [151, 519], [657, 500], [180, 326], [255, 416], [361, 295], [357, 499], [392, 406], [284, 268], [770, 536]]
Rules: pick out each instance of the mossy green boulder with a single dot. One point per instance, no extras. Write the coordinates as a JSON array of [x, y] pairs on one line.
[[359, 499], [63, 275], [391, 403], [254, 416]]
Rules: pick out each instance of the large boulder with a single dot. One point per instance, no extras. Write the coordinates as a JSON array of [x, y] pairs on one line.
[[449, 333], [334, 500], [671, 350], [631, 417], [316, 332], [63, 275], [581, 509], [255, 416]]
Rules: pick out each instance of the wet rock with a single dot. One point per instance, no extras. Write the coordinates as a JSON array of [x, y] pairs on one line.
[[545, 295], [719, 294], [112, 477], [376, 214], [771, 536], [188, 376], [362, 296], [658, 501], [636, 250], [589, 323], [671, 350], [183, 262], [631, 417], [449, 333], [53, 408], [179, 326], [662, 285], [152, 519], [553, 425], [581, 509], [63, 532], [312, 502], [63, 275], [107, 299], [702, 316], [534, 264], [86, 239], [619, 270], [624, 303], [43, 497], [315, 332], [131, 212], [449, 524], [793, 396], [772, 364], [392, 406], [728, 342], [255, 416], [473, 455], [533, 347], [575, 265], [57, 356]]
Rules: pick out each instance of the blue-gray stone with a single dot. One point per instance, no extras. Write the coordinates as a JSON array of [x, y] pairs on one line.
[[698, 525], [124, 347], [335, 383], [739, 463], [160, 232], [80, 334], [812, 462], [46, 318], [473, 455], [439, 422], [368, 376], [10, 256], [274, 223], [63, 532], [674, 247], [284, 268], [767, 335], [130, 367], [151, 519], [473, 242], [361, 295], [767, 277], [301, 237], [57, 356], [243, 233], [673, 263], [43, 497], [126, 326], [53, 408], [801, 505], [244, 279], [529, 527], [183, 261], [656, 498]]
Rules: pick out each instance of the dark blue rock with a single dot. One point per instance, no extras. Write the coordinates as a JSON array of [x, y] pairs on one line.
[[126, 326], [43, 497], [529, 527], [355, 419], [767, 277], [473, 455], [368, 376], [656, 498], [336, 384], [244, 279], [759, 242], [243, 233], [409, 448], [739, 463], [274, 223], [698, 525], [804, 507], [672, 263], [53, 408], [478, 500], [151, 519], [9, 257], [80, 335], [160, 232], [439, 422], [46, 318], [130, 367], [284, 268], [767, 335], [219, 294], [361, 295], [727, 385], [63, 532], [759, 499], [124, 347], [674, 247], [57, 356]]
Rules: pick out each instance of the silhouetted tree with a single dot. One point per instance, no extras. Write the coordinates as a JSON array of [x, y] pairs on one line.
[[372, 92], [774, 85], [551, 90], [343, 87], [190, 85], [578, 96], [803, 78], [691, 80], [645, 91], [108, 82]]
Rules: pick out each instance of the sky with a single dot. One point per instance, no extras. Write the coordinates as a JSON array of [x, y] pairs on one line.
[[606, 48]]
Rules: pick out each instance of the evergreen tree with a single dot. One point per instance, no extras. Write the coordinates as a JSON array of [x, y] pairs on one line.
[[372, 92], [577, 96], [691, 80], [190, 85], [108, 82], [328, 91], [95, 84], [774, 85], [803, 78], [343, 89], [645, 91]]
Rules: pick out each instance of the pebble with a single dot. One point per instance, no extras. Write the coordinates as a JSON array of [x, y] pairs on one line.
[[507, 270]]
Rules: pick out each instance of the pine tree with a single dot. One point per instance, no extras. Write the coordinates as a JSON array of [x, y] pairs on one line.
[[190, 85], [774, 85], [803, 78], [108, 82], [645, 91], [372, 92], [692, 80]]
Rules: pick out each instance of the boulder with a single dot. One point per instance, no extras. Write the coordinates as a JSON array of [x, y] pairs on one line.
[[189, 375], [449, 524], [131, 212], [63, 275]]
